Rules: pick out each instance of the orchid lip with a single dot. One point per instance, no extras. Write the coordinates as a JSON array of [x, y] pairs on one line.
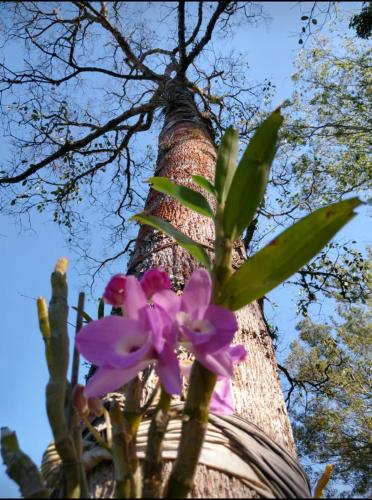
[[195, 325]]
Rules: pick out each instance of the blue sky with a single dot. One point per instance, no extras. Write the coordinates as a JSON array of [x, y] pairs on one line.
[[28, 255]]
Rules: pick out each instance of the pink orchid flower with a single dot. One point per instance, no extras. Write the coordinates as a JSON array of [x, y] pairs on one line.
[[114, 291], [122, 347], [222, 401], [206, 330], [155, 280]]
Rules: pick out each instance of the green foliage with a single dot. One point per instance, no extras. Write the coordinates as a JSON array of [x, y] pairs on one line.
[[331, 413], [362, 23], [286, 254], [188, 197], [195, 249], [204, 183], [101, 309], [249, 183], [226, 163], [339, 272], [85, 315], [326, 144], [283, 256]]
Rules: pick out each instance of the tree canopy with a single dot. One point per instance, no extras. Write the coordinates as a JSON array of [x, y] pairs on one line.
[[328, 369], [362, 22], [332, 368]]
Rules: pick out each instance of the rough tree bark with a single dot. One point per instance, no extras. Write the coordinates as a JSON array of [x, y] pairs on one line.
[[186, 148]]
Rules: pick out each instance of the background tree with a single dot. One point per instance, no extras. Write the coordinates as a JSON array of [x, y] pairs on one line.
[[331, 367], [326, 374], [325, 155], [362, 22]]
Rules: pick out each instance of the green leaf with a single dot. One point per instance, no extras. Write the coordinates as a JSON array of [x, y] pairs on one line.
[[188, 197], [85, 315], [204, 183], [286, 254], [194, 248], [226, 163], [249, 182], [101, 309]]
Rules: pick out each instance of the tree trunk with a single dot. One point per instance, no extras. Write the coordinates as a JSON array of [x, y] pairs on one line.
[[186, 148]]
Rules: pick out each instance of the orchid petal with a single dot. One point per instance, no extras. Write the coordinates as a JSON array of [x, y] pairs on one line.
[[135, 299], [222, 402], [168, 301], [225, 326], [219, 363], [121, 360], [155, 280], [159, 323], [222, 362], [168, 371], [197, 292], [110, 379], [114, 291], [111, 336], [197, 335], [237, 353]]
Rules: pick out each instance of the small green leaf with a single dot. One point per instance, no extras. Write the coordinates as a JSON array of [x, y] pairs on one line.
[[188, 197], [101, 309], [286, 254], [85, 315], [226, 163], [184, 241], [250, 179], [204, 183]]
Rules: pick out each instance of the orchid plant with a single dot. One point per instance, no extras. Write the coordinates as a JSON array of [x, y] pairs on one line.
[[154, 322]]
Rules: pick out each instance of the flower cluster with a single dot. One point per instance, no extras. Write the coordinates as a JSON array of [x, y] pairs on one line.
[[155, 322]]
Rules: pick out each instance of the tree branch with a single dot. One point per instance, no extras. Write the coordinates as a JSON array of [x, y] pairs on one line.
[[73, 146], [181, 38], [208, 33]]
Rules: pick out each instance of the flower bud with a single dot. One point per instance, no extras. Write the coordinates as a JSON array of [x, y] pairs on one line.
[[79, 401], [155, 280], [114, 291], [42, 312], [95, 406]]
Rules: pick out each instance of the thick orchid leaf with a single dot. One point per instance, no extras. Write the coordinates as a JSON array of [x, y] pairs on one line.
[[249, 183], [188, 197], [194, 248], [286, 254], [226, 163], [204, 183]]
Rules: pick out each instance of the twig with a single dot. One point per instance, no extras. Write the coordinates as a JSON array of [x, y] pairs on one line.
[[20, 467], [76, 357]]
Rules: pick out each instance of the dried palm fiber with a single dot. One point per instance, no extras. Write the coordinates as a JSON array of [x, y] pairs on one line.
[[232, 446]]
